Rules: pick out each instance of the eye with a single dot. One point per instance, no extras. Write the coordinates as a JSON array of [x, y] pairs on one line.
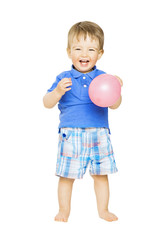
[[77, 49], [91, 49]]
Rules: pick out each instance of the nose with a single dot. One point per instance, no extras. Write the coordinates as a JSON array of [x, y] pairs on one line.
[[84, 53]]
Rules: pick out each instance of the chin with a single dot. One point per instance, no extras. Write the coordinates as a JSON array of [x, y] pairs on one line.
[[84, 69]]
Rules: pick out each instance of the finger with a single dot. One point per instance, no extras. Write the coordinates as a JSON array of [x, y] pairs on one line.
[[67, 84], [121, 82], [68, 89], [66, 80], [64, 85]]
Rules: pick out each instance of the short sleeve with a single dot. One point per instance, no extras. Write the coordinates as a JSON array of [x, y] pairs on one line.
[[54, 85]]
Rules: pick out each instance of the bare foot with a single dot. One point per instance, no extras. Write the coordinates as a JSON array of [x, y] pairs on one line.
[[62, 216], [108, 216]]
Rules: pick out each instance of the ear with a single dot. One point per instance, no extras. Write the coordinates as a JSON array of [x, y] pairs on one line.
[[69, 52], [100, 53]]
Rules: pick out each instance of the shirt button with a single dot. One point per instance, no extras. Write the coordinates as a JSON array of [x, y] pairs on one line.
[[84, 77], [84, 85]]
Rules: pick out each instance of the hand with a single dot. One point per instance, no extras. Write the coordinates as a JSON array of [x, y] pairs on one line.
[[121, 82], [63, 85], [118, 102]]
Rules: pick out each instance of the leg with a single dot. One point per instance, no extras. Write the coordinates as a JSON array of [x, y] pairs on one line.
[[64, 198], [101, 187]]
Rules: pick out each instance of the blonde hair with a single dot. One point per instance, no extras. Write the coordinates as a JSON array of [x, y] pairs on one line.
[[86, 28]]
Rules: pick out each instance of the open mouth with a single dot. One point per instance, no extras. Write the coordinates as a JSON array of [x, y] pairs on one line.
[[84, 61]]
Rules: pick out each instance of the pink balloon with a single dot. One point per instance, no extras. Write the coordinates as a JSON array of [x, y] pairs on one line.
[[104, 90]]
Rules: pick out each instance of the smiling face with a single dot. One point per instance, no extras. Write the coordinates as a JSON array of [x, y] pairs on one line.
[[84, 53]]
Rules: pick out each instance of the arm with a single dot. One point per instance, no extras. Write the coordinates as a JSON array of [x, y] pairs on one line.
[[52, 98], [118, 102]]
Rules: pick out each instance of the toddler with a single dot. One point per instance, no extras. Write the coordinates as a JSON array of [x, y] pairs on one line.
[[84, 129]]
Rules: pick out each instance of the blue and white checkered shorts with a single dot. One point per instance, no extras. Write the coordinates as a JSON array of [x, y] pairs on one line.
[[79, 147]]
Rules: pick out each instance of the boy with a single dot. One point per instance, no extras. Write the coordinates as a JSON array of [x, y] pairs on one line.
[[83, 129]]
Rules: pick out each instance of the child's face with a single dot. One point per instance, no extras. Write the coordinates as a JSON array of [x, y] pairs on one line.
[[84, 53]]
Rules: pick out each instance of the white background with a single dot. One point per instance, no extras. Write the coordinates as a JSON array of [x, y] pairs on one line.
[[32, 52]]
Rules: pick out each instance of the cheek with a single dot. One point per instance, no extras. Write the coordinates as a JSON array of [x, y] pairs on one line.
[[74, 57], [94, 58], [73, 60]]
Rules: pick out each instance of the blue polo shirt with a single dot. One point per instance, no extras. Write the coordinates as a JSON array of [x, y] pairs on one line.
[[76, 108]]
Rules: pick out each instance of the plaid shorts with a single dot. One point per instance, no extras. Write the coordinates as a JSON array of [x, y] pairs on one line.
[[79, 147]]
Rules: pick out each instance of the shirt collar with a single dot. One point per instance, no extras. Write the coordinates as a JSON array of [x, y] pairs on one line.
[[77, 74]]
